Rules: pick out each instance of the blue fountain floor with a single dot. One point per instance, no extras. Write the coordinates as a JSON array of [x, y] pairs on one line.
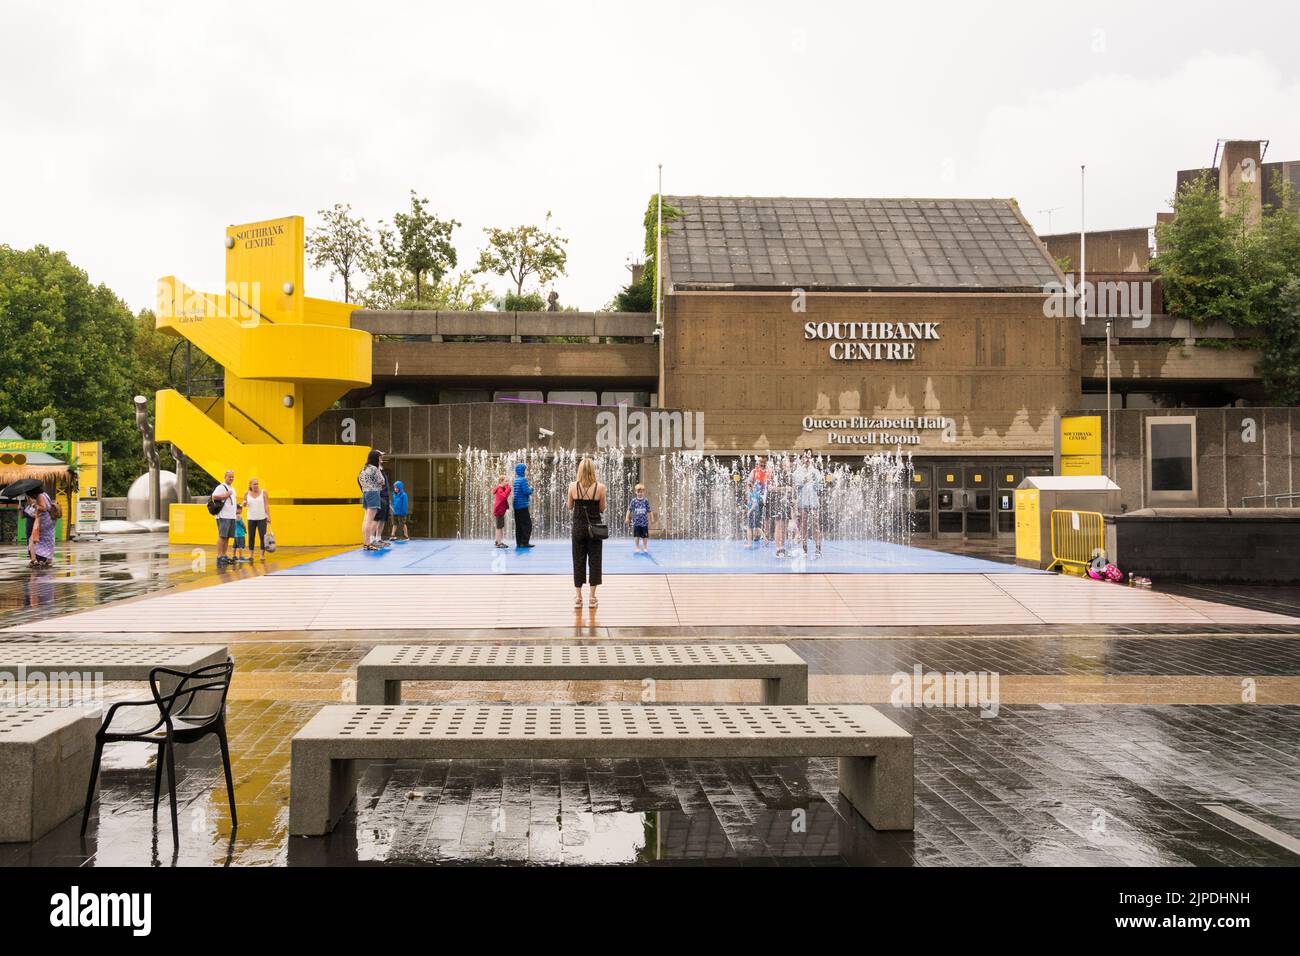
[[676, 556]]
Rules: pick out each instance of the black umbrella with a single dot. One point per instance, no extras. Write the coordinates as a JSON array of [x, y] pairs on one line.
[[23, 487]]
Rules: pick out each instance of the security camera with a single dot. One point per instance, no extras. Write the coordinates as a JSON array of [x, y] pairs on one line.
[[659, 333], [544, 433]]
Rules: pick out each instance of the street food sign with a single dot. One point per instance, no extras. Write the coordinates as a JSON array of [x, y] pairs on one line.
[[21, 446]]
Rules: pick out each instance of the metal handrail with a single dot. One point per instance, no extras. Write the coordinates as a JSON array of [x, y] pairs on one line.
[[1290, 496]]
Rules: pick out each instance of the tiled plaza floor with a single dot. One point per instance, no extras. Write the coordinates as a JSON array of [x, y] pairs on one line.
[[1108, 747]]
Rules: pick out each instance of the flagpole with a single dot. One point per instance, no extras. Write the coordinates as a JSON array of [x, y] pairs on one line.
[[659, 278]]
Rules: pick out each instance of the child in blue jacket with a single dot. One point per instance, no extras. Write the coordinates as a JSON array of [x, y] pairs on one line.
[[401, 507], [522, 491]]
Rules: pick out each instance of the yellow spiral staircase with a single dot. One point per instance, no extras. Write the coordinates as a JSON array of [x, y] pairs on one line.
[[286, 358]]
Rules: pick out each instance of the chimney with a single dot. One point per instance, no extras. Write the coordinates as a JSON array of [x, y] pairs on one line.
[[1241, 175]]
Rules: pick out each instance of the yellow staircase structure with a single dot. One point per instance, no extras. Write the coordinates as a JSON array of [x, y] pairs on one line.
[[286, 358]]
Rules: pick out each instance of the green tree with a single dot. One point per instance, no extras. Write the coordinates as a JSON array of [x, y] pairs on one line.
[[528, 302], [418, 243], [1271, 256], [1200, 260], [634, 297], [392, 289], [1279, 369], [68, 351], [640, 296], [525, 252], [343, 244], [1216, 264]]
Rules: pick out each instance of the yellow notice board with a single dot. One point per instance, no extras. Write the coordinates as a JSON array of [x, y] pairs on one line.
[[90, 477], [1081, 445], [1029, 541]]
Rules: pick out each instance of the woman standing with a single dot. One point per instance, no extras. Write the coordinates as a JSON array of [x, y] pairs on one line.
[[257, 514], [40, 544], [587, 502], [371, 481]]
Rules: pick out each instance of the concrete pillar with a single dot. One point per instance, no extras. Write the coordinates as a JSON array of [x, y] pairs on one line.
[[1241, 175]]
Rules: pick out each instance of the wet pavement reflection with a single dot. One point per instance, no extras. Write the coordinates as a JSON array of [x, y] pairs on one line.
[[1104, 750], [1084, 785]]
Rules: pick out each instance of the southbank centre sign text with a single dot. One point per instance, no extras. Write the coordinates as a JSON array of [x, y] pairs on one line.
[[858, 430], [872, 341]]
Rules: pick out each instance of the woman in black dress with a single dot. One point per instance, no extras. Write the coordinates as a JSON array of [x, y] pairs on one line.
[[587, 502]]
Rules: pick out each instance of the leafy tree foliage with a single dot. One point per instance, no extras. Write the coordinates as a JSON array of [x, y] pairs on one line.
[[391, 289], [1216, 264], [525, 252], [418, 243], [1279, 370], [68, 350], [1200, 261], [528, 302], [640, 296], [342, 244]]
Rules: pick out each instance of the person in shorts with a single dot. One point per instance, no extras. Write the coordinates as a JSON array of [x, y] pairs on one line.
[[401, 506], [754, 515], [241, 535], [639, 513], [370, 481], [500, 505], [385, 504], [225, 493]]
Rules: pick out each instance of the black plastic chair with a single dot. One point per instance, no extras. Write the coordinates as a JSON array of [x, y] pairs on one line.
[[176, 723]]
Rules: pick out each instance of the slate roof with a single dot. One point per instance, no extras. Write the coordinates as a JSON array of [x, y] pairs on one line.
[[755, 243]]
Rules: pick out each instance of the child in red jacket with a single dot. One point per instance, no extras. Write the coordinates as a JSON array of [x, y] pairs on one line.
[[500, 505]]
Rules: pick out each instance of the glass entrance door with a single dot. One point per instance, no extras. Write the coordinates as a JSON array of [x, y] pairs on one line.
[[948, 498], [922, 500], [977, 500], [1009, 478]]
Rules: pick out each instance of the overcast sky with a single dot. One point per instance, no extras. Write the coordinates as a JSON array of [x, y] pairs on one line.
[[132, 134]]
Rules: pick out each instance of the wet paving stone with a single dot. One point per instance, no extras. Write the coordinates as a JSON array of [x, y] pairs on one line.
[[1053, 778], [1088, 785]]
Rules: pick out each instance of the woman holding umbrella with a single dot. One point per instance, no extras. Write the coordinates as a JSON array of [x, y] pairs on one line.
[[35, 507], [40, 543]]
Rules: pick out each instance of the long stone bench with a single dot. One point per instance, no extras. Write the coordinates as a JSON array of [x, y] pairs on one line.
[[45, 756], [875, 753], [69, 665], [380, 674]]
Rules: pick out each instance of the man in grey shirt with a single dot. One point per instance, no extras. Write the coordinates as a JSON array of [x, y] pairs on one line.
[[225, 493]]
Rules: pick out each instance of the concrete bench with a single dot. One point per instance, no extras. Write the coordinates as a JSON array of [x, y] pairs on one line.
[[73, 665], [380, 674], [45, 756], [875, 753]]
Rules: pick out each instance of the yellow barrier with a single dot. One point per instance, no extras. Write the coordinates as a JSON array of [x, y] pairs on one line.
[[1076, 536], [293, 524]]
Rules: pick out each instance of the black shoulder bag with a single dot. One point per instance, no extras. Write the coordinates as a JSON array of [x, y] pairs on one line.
[[599, 529]]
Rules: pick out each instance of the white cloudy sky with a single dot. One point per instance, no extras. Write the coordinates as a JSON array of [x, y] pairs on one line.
[[132, 133]]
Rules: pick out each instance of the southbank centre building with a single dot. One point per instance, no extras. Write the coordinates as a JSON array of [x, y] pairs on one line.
[[943, 329], [844, 326]]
